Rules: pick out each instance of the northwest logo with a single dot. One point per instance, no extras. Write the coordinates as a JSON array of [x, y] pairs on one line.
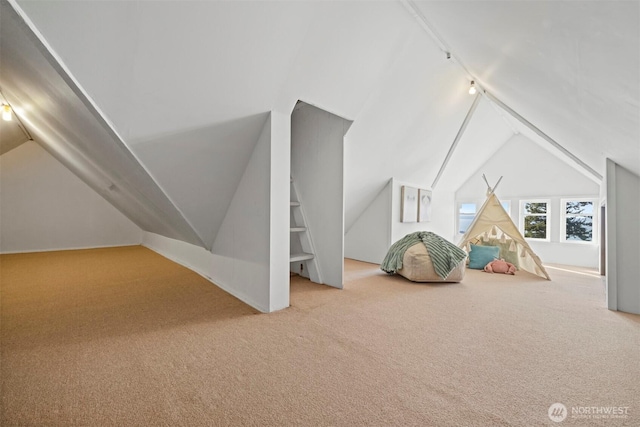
[[557, 412]]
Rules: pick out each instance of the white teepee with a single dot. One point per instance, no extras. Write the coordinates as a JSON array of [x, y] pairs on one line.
[[493, 223]]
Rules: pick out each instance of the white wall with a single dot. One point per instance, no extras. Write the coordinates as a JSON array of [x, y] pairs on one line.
[[369, 237], [199, 169], [528, 169], [400, 229], [242, 247], [531, 172], [250, 255], [317, 167], [279, 209], [379, 226], [623, 239], [46, 207], [191, 256], [443, 215]]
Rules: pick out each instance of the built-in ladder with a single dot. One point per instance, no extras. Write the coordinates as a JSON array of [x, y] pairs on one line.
[[298, 226]]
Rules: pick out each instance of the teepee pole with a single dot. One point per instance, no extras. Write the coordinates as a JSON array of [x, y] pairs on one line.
[[493, 190], [487, 182]]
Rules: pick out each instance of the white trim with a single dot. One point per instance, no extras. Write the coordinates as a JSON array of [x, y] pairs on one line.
[[594, 221], [547, 214], [590, 172], [611, 235], [76, 248]]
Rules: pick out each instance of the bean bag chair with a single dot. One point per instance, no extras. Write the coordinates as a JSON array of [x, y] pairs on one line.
[[417, 267]]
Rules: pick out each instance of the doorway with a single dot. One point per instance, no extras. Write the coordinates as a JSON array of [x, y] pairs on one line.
[[317, 194]]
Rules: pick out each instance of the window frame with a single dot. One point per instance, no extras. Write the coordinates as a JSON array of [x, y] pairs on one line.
[[594, 220], [459, 206], [547, 214]]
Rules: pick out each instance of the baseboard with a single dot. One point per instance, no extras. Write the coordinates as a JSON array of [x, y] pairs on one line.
[[79, 248]]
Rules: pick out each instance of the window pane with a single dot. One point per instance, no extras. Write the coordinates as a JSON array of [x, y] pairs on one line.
[[535, 208], [468, 208], [585, 208], [535, 227], [467, 213], [580, 228]]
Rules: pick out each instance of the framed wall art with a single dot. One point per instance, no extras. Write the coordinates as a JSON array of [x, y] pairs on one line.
[[409, 206], [424, 205]]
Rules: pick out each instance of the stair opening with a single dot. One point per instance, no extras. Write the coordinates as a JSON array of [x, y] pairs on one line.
[[317, 194]]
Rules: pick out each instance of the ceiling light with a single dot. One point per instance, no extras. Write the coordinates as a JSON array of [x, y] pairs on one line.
[[6, 113], [472, 88]]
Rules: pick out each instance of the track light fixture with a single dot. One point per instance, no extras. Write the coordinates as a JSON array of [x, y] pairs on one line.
[[6, 112], [472, 88]]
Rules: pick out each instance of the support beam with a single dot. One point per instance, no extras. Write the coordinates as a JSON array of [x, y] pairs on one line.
[[95, 152], [466, 121], [544, 136], [414, 10], [426, 26]]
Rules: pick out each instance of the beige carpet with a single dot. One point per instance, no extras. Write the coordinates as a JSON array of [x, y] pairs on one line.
[[124, 337]]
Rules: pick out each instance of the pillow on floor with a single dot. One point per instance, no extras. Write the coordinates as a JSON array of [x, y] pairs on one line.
[[505, 253], [479, 256]]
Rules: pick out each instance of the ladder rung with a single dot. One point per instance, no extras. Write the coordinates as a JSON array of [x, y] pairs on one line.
[[300, 257], [294, 203], [297, 229]]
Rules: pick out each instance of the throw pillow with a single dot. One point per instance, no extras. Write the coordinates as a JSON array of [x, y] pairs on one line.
[[482, 255]]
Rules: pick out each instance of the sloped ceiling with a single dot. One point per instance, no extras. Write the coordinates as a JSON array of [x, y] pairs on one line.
[[570, 68], [60, 118], [187, 85]]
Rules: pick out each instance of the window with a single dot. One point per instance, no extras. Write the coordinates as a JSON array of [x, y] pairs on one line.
[[534, 219], [466, 213], [507, 206], [578, 220]]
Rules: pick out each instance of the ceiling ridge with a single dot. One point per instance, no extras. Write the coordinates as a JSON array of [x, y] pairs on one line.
[[493, 100]]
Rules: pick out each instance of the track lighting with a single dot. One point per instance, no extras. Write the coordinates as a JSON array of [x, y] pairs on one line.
[[472, 88], [6, 112]]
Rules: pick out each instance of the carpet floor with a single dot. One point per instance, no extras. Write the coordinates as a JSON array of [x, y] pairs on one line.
[[125, 337]]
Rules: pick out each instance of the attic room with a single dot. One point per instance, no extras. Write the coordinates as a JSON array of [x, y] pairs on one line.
[[196, 199]]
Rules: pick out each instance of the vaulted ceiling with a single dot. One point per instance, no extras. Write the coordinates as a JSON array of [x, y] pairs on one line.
[[570, 68], [185, 88]]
